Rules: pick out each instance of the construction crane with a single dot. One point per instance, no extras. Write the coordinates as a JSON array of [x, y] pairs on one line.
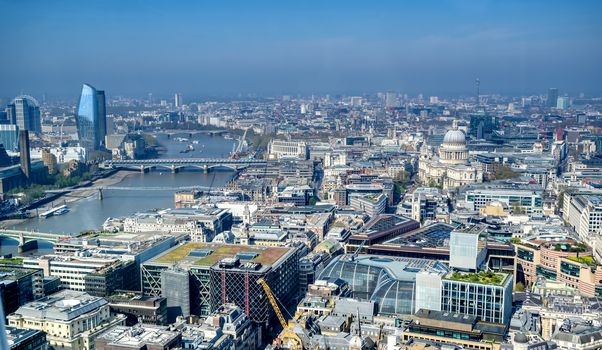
[[272, 300], [287, 333]]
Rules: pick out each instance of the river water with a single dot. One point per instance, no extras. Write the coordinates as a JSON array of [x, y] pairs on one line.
[[90, 213]]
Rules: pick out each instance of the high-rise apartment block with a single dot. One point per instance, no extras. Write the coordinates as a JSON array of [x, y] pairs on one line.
[[91, 118]]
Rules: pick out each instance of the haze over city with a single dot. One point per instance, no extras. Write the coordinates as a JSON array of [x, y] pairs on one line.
[[225, 48], [300, 175]]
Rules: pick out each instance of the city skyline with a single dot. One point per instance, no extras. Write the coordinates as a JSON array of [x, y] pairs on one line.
[[270, 48]]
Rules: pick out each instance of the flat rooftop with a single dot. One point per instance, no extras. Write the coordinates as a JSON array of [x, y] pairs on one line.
[[208, 254], [432, 236], [13, 272], [63, 306], [138, 336]]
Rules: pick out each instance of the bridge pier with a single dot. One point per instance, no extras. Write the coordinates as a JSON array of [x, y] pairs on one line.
[[205, 168], [100, 194], [29, 245], [143, 169], [175, 169]]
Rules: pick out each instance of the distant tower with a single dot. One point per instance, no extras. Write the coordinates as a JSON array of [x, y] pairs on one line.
[[24, 149], [552, 97], [477, 86], [178, 100], [91, 118], [24, 111]]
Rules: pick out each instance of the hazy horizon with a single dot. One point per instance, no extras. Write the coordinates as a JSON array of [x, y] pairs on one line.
[[272, 47]]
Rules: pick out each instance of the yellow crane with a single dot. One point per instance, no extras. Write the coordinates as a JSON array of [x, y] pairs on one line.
[[294, 342], [272, 300]]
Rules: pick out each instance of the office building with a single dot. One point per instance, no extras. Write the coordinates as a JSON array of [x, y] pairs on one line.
[[220, 273], [91, 118], [583, 212], [201, 223], [9, 137], [25, 339], [25, 114], [278, 149], [482, 126], [391, 100], [71, 319], [565, 261], [225, 329], [139, 337], [487, 295], [374, 187], [452, 331], [139, 308], [425, 204], [178, 100], [524, 198], [563, 102], [467, 251], [552, 97], [24, 152], [97, 275], [371, 204], [19, 285]]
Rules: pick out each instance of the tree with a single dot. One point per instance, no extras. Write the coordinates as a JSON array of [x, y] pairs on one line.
[[519, 287], [402, 176], [504, 172]]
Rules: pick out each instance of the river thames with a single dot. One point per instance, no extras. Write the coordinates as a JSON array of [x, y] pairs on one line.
[[90, 213]]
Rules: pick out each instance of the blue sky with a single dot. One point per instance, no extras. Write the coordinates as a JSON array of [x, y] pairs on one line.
[[211, 48]]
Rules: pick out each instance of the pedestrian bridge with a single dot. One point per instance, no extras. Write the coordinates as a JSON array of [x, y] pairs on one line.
[[125, 188], [29, 239], [177, 163]]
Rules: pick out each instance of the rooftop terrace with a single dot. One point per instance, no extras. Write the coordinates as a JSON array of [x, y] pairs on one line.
[[483, 277]]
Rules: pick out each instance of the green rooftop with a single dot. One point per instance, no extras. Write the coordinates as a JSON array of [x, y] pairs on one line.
[[586, 260], [11, 261], [573, 248], [266, 255], [483, 277], [17, 272]]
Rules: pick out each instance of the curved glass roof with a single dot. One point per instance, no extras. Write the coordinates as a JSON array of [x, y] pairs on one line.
[[388, 281]]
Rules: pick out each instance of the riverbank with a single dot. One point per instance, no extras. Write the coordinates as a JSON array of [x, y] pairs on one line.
[[70, 197]]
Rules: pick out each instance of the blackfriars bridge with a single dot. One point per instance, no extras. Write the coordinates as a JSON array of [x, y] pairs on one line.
[[29, 239]]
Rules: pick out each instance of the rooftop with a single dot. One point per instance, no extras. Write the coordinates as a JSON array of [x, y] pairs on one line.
[[18, 336], [63, 306], [207, 254], [432, 236], [585, 260], [483, 277], [138, 336]]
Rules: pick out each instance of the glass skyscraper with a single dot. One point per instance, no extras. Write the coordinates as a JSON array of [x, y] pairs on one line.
[[25, 113], [91, 118]]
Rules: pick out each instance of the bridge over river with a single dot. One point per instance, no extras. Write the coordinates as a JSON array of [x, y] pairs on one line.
[[177, 163], [29, 239]]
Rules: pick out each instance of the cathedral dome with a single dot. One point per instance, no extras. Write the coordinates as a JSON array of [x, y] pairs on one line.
[[454, 137]]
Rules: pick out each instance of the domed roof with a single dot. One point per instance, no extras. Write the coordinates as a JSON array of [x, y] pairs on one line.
[[454, 137]]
